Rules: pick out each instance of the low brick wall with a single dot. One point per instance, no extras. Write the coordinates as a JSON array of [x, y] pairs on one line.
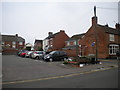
[[9, 52], [71, 53]]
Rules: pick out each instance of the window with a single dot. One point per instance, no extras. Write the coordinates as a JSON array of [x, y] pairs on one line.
[[14, 44], [113, 49], [74, 42], [51, 42], [3, 43], [83, 36], [68, 43], [111, 36], [20, 43], [51, 38]]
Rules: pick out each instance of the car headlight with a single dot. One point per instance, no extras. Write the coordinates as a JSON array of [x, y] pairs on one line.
[[48, 57]]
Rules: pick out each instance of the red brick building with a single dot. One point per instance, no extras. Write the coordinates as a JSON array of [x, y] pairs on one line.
[[107, 38], [72, 45], [55, 41], [12, 43], [38, 45]]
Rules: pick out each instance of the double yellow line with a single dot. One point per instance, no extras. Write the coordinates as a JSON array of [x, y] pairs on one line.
[[48, 78]]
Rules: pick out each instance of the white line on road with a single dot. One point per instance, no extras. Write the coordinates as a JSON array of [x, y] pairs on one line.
[[55, 77]]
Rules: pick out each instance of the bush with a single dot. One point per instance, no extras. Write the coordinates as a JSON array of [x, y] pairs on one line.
[[65, 62]]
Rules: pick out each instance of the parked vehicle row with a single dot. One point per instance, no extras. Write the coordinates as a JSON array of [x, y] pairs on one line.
[[31, 54], [52, 56]]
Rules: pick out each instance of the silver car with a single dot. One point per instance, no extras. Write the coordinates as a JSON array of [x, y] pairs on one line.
[[38, 54], [28, 54]]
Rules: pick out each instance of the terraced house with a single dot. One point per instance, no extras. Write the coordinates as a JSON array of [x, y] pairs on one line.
[[12, 43], [72, 46], [101, 40], [55, 41], [38, 45]]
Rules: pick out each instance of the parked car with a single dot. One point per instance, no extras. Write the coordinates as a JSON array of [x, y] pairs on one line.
[[37, 55], [19, 52], [23, 53], [55, 56], [28, 53]]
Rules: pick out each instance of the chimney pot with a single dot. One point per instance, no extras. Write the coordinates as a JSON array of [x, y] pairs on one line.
[[50, 33], [16, 35], [106, 25], [117, 25], [62, 31]]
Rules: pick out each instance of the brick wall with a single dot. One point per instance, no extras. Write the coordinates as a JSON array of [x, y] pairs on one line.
[[59, 40], [10, 49], [103, 42]]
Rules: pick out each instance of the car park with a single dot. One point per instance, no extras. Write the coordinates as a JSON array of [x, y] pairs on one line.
[[37, 54], [55, 56]]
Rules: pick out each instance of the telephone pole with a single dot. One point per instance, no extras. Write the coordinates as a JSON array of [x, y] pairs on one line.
[[96, 35]]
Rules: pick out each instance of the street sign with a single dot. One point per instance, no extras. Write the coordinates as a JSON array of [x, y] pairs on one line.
[[93, 44]]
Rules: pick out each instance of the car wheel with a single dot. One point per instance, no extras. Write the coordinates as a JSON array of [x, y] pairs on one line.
[[50, 59], [64, 59], [37, 57]]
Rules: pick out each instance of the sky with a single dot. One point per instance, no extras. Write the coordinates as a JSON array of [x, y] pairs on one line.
[[33, 20]]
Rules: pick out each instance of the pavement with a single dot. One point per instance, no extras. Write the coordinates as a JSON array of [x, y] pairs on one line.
[[34, 69]]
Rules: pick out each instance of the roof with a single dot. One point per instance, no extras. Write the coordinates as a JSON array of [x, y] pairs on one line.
[[51, 36], [28, 45], [110, 30], [12, 38], [38, 41], [77, 36]]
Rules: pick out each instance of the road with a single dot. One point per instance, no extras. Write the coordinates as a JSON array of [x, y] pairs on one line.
[[27, 73], [101, 79]]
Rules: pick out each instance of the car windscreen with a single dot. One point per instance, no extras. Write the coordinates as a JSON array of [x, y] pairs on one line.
[[39, 52], [52, 52]]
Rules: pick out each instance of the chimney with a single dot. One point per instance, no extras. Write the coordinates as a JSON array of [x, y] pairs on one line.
[[16, 35], [94, 20], [106, 25], [50, 33], [62, 31], [117, 26]]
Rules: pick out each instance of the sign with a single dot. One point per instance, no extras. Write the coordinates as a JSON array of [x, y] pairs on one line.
[[93, 44]]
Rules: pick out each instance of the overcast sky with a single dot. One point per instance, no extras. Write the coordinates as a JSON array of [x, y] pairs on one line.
[[33, 20]]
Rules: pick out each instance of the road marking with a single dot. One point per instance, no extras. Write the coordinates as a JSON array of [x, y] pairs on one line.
[[55, 77]]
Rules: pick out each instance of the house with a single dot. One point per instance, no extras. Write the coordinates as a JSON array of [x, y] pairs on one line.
[[28, 46], [72, 47], [38, 45], [12, 43], [101, 40], [55, 41]]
